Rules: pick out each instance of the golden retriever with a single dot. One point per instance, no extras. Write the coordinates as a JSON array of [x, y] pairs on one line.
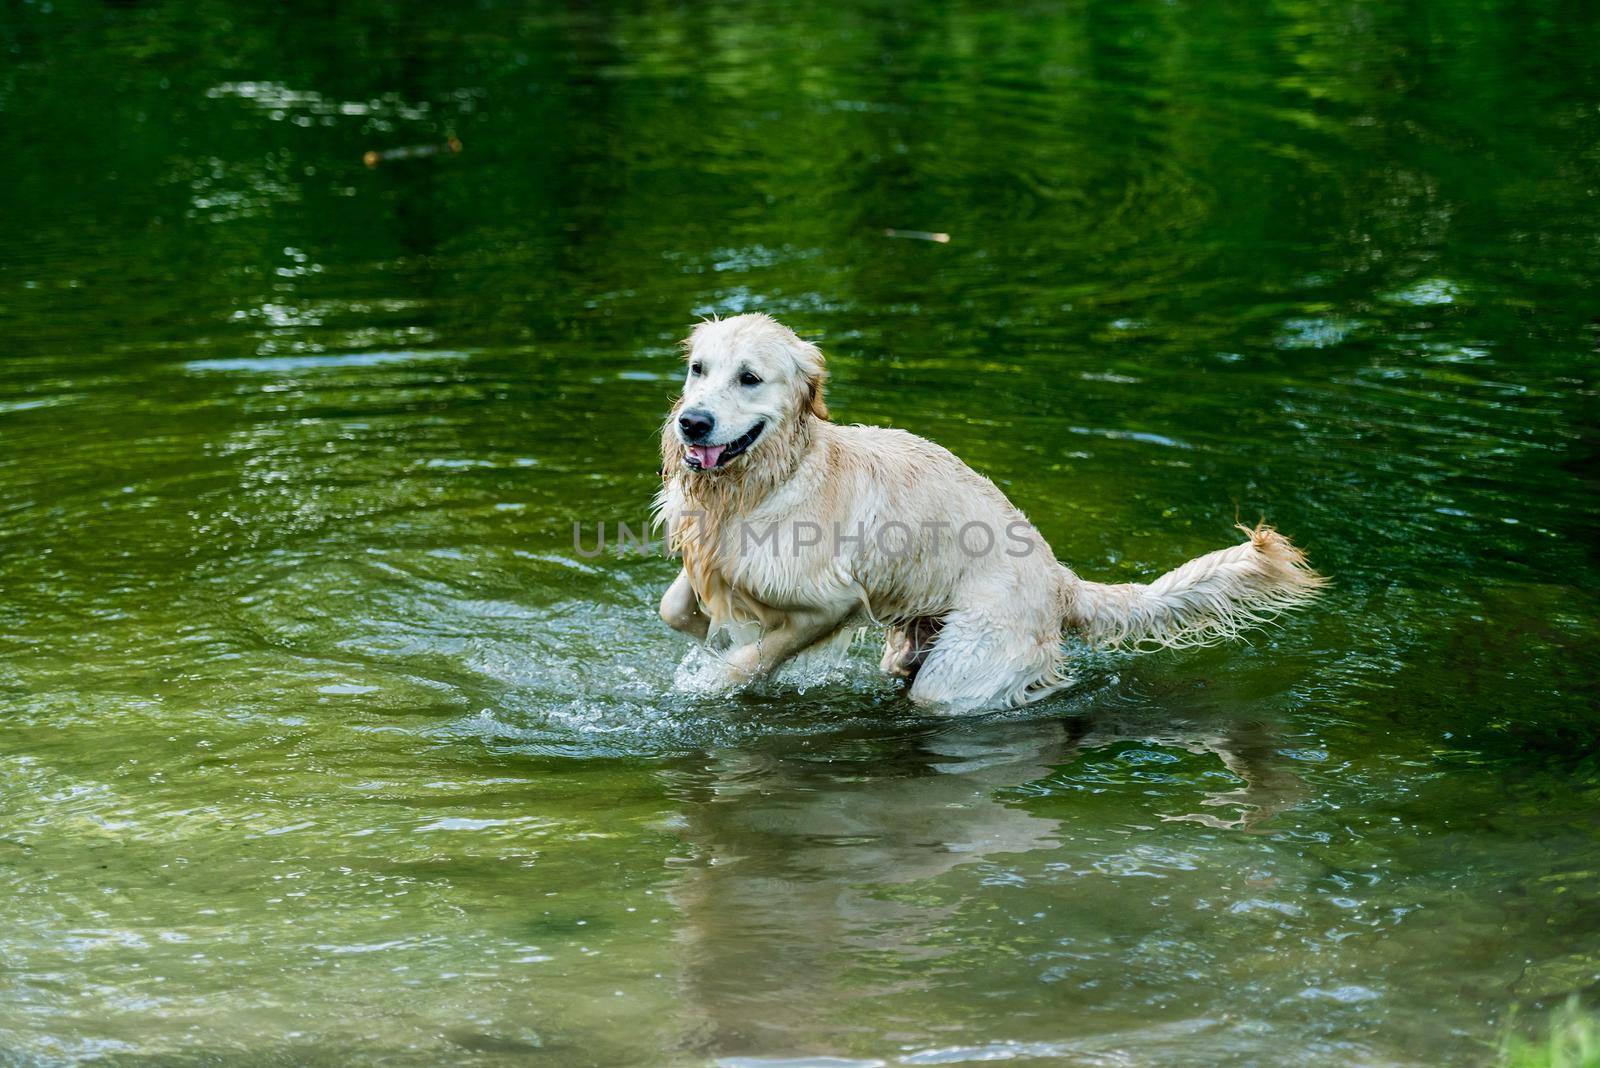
[[795, 531]]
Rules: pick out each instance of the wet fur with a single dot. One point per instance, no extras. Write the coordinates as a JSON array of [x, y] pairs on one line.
[[967, 632]]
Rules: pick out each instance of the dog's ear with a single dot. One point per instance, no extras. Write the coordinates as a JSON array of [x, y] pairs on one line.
[[669, 439], [819, 407], [814, 370]]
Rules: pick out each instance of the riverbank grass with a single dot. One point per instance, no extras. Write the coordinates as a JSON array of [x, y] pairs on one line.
[[1572, 1041]]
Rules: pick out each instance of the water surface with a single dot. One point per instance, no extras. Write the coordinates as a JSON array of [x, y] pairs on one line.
[[322, 743]]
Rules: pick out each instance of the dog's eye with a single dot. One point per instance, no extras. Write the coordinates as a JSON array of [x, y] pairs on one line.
[[749, 378], [695, 368]]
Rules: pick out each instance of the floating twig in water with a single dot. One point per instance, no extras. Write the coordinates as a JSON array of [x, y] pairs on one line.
[[374, 157], [918, 235]]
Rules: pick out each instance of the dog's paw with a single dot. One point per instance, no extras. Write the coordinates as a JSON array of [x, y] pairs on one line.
[[742, 666], [709, 671]]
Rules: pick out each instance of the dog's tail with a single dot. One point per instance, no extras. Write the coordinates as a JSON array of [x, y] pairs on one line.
[[1208, 600]]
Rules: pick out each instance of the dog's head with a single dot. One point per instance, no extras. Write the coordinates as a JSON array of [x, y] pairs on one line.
[[750, 382]]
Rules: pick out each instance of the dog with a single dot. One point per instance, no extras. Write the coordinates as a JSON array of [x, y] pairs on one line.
[[795, 531]]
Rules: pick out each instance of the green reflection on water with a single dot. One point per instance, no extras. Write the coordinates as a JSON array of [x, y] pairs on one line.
[[324, 745]]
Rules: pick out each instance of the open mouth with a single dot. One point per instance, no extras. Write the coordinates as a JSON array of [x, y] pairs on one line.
[[711, 457]]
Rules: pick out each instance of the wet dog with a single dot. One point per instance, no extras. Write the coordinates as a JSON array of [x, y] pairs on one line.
[[796, 530]]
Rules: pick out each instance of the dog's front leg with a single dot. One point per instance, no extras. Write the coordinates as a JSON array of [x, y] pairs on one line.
[[798, 632], [680, 608]]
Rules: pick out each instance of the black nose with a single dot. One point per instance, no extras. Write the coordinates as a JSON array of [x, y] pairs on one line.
[[696, 424]]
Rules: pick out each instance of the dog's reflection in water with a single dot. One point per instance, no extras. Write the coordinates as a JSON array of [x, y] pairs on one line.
[[796, 896]]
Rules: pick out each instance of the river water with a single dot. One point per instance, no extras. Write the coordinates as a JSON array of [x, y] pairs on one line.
[[323, 743]]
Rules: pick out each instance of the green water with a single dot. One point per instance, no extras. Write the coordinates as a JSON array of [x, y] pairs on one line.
[[321, 744]]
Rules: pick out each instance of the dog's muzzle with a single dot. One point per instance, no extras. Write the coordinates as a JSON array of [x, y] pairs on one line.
[[713, 457]]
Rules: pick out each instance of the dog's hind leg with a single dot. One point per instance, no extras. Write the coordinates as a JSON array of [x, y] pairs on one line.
[[980, 661], [906, 648]]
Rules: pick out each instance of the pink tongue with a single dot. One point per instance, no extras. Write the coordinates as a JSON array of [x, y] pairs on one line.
[[706, 455]]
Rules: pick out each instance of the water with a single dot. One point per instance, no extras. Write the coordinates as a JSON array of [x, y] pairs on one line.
[[322, 744]]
